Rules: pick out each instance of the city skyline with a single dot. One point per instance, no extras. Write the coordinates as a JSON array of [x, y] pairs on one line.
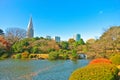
[[62, 18]]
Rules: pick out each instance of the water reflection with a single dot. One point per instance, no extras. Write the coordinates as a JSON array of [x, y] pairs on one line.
[[38, 69]]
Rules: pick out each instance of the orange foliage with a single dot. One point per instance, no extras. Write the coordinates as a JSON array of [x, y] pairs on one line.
[[4, 42], [100, 60]]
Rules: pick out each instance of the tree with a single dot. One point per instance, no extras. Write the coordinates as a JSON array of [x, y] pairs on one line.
[[64, 45], [81, 42], [15, 34], [53, 55], [21, 46], [71, 40], [90, 41], [111, 38], [1, 32], [107, 44]]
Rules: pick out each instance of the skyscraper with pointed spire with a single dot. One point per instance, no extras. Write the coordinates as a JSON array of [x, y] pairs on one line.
[[30, 30]]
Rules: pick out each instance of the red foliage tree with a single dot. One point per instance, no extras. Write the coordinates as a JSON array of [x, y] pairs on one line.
[[4, 42], [100, 60]]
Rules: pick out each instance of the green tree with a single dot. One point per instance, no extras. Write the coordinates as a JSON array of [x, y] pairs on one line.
[[74, 55], [21, 46], [81, 42], [35, 50], [64, 45], [53, 55]]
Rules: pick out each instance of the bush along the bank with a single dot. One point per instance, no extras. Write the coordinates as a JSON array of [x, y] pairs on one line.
[[100, 71], [115, 59], [53, 55], [24, 55], [100, 60], [74, 55], [18, 56]]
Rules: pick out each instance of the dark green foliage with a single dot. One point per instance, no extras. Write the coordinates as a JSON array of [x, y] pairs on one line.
[[81, 42], [2, 51], [115, 59], [1, 32], [18, 56], [102, 71], [64, 45], [74, 55], [53, 55], [20, 46], [65, 56], [35, 50], [5, 55]]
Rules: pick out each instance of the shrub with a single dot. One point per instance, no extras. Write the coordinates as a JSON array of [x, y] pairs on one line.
[[18, 56], [31, 56], [115, 59], [5, 55], [65, 56], [53, 55], [101, 71], [100, 60], [74, 55], [24, 55]]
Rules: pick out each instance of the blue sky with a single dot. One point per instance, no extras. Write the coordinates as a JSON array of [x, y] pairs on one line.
[[62, 18]]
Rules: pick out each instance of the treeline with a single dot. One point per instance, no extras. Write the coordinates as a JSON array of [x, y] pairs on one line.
[[107, 45]]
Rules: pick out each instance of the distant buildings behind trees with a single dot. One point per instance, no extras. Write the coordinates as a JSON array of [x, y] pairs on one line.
[[30, 33], [77, 37]]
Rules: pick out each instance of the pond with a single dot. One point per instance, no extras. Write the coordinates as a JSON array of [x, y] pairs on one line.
[[12, 69]]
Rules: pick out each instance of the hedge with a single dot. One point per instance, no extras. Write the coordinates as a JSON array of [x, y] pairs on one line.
[[100, 71], [115, 59]]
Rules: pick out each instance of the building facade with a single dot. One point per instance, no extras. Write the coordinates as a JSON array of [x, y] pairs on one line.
[[77, 37], [30, 30], [57, 38], [48, 37]]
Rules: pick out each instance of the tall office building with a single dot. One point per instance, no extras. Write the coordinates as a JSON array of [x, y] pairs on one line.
[[48, 37], [57, 38], [77, 37], [30, 31]]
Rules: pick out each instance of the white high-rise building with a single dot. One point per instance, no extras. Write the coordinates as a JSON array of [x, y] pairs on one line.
[[30, 30]]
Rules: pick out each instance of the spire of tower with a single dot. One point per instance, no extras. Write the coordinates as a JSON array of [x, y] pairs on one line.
[[30, 31], [30, 24]]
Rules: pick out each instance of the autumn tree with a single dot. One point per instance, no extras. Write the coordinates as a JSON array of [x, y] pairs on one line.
[[111, 39], [107, 44], [90, 41], [71, 40]]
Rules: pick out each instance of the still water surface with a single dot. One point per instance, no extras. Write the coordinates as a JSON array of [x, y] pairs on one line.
[[11, 69]]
